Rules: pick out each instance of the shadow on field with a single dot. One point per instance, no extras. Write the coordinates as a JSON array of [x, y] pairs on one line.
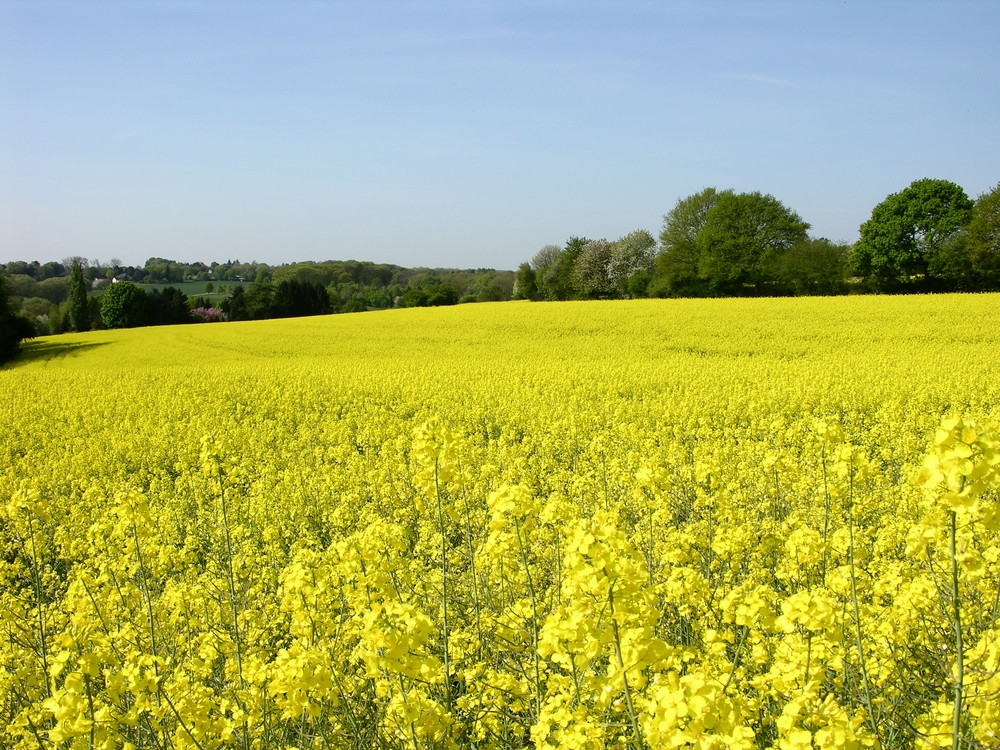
[[44, 351]]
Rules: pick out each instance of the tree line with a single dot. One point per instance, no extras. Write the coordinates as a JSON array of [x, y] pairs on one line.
[[81, 295], [929, 237], [41, 292]]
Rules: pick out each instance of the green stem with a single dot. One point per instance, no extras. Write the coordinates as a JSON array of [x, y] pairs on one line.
[[475, 578], [826, 515], [633, 717], [604, 479], [444, 591], [90, 706], [959, 645], [180, 720], [37, 580], [145, 590], [34, 731], [874, 723], [534, 622], [736, 657], [231, 580], [413, 731], [576, 679], [809, 650], [648, 495], [710, 558]]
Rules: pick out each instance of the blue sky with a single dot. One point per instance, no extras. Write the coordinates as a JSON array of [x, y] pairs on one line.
[[469, 134]]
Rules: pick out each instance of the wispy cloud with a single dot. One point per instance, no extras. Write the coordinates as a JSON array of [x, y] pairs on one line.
[[766, 80]]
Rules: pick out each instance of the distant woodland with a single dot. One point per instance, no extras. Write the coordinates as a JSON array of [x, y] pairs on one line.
[[928, 237], [78, 294]]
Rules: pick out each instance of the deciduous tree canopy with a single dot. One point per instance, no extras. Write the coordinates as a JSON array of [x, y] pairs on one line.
[[677, 264], [13, 328], [983, 234], [909, 230], [123, 305], [722, 242]]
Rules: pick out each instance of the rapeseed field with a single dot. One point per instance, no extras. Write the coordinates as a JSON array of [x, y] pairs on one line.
[[635, 524]]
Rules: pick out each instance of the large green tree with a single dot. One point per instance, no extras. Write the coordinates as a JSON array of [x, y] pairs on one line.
[[677, 264], [813, 266], [167, 306], [123, 305], [554, 271], [723, 242], [258, 302], [909, 231], [294, 299], [983, 240], [13, 328], [77, 309], [525, 286], [744, 235], [542, 264]]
